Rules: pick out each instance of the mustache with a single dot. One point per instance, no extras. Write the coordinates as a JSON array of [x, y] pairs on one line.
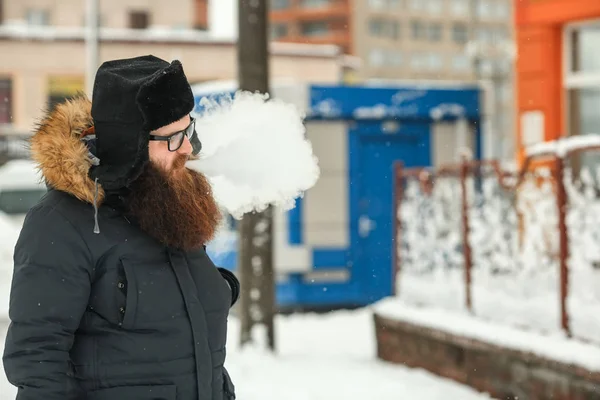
[[180, 162]]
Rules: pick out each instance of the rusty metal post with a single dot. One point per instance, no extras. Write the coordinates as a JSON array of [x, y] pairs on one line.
[[561, 203], [464, 171], [396, 237]]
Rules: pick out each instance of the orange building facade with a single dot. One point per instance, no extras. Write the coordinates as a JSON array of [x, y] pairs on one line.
[[558, 70]]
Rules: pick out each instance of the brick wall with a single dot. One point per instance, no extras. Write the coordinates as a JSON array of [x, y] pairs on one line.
[[503, 373]]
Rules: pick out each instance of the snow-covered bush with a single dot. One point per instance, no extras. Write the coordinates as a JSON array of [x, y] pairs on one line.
[[515, 250], [431, 244], [514, 243], [583, 223]]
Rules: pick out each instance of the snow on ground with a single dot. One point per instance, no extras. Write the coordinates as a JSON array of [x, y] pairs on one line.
[[322, 357]]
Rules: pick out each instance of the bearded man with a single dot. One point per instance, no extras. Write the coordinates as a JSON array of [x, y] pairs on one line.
[[113, 295]]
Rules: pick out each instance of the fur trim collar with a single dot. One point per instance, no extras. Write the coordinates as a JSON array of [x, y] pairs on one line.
[[61, 155]]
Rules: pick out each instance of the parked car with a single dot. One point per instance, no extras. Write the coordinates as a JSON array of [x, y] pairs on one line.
[[21, 187]]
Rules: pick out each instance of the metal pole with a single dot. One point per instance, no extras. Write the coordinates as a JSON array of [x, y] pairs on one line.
[[498, 80], [464, 172], [397, 237], [561, 203], [257, 299], [91, 44]]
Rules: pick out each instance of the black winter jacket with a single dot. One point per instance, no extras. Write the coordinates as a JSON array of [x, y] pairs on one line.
[[109, 316]]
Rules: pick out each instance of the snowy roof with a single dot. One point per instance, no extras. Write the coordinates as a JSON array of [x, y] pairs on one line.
[[420, 83], [156, 34]]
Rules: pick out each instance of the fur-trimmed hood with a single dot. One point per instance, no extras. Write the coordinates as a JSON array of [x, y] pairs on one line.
[[61, 155]]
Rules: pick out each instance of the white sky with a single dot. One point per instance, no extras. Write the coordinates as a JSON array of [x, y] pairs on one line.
[[222, 18]]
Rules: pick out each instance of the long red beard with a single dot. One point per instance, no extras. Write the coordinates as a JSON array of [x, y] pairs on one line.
[[177, 209]]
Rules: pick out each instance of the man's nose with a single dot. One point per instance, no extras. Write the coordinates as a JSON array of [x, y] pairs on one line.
[[186, 147]]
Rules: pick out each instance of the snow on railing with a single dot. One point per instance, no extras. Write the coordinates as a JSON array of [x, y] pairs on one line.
[[520, 247], [564, 147]]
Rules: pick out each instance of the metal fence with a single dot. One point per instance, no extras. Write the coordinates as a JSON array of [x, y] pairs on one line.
[[503, 244]]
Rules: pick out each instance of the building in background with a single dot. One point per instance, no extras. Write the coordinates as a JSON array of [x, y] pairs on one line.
[[451, 40], [43, 51], [558, 71], [396, 40], [313, 21]]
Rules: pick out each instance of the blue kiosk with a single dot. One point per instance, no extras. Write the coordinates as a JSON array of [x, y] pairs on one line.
[[334, 249]]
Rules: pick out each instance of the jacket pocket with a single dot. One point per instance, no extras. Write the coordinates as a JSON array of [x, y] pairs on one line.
[[162, 392], [228, 387], [153, 298], [128, 310]]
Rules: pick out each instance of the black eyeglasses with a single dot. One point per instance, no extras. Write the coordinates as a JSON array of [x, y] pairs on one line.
[[175, 140]]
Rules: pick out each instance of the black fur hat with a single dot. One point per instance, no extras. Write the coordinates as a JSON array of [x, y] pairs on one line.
[[131, 98]]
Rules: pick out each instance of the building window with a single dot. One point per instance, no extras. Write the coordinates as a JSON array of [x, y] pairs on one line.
[[418, 30], [5, 101], [376, 57], [377, 4], [417, 5], [385, 58], [584, 55], [37, 17], [434, 61], [395, 4], [582, 83], [319, 28], [459, 8], [61, 88], [484, 8], [384, 4], [485, 35], [278, 31], [434, 32], [376, 27], [280, 4], [418, 61], [584, 118], [502, 10], [139, 19], [380, 27], [460, 33], [460, 63], [434, 7], [314, 3]]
